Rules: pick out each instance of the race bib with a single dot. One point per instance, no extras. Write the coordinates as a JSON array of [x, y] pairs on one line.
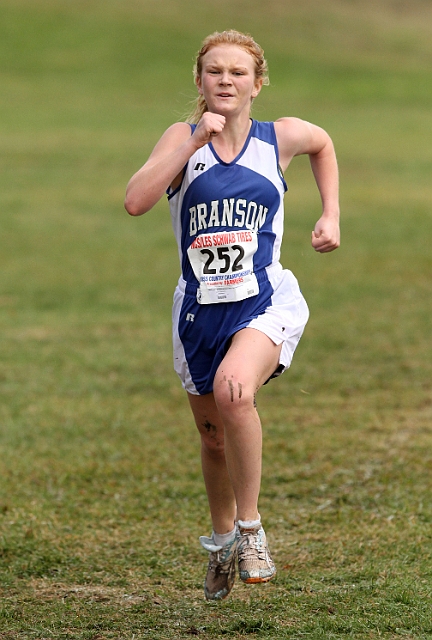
[[223, 265]]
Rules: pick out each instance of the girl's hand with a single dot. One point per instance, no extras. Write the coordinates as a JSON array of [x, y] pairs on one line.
[[210, 125], [326, 235]]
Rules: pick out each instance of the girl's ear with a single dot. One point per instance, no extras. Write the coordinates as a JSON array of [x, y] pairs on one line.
[[198, 85], [257, 88]]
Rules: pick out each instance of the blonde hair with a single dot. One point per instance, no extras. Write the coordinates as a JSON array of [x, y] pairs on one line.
[[243, 40]]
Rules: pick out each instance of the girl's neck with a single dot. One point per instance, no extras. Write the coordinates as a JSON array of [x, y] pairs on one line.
[[231, 141]]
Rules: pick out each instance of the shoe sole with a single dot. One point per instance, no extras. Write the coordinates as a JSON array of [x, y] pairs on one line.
[[217, 597], [257, 580]]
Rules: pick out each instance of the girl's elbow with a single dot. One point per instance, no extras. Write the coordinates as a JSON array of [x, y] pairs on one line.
[[133, 207]]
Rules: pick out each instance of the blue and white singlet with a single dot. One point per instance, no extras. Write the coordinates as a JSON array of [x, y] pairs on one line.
[[228, 220]]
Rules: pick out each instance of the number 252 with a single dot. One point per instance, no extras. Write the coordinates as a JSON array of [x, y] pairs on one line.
[[223, 254]]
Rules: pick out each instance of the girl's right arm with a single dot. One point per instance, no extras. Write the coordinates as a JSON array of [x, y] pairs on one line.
[[165, 164], [167, 161]]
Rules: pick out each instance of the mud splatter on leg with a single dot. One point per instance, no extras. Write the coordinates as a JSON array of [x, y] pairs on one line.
[[231, 386], [208, 426], [211, 429]]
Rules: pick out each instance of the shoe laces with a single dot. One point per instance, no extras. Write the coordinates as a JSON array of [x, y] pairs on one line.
[[220, 561], [250, 545]]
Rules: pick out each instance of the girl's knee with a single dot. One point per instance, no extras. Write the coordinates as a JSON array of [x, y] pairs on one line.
[[232, 395], [212, 438], [213, 447]]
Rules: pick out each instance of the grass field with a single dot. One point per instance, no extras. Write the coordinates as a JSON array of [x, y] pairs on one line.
[[101, 497]]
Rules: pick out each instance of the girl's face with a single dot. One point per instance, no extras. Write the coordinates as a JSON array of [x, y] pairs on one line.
[[227, 80]]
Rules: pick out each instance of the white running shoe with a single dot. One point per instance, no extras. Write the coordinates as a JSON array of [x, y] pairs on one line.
[[221, 568], [254, 559]]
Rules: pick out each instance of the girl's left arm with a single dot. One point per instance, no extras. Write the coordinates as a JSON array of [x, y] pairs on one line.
[[296, 137]]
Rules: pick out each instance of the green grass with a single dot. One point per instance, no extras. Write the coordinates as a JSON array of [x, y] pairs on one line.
[[101, 496]]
